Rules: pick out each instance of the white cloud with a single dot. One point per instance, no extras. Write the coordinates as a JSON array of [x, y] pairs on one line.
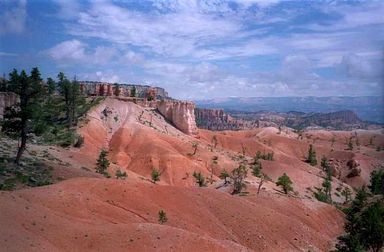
[[357, 67], [260, 3], [172, 34], [72, 50], [6, 54], [100, 76], [13, 15]]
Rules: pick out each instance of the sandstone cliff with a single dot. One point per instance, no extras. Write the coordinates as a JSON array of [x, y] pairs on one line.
[[7, 100], [180, 113], [95, 88]]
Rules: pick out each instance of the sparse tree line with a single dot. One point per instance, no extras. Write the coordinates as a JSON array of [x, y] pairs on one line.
[[48, 109]]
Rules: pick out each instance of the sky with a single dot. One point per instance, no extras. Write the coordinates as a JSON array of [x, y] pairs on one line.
[[204, 48]]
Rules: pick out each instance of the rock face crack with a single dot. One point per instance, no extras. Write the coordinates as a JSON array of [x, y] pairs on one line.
[[111, 202]]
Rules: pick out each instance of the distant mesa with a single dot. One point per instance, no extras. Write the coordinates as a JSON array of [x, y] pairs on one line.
[[96, 88]]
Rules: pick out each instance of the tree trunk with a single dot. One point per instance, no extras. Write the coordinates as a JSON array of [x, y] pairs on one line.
[[23, 136], [260, 185]]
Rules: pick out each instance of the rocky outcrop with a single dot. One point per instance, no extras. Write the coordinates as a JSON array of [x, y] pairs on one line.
[[217, 119], [354, 168], [7, 99], [335, 167], [94, 88], [180, 114]]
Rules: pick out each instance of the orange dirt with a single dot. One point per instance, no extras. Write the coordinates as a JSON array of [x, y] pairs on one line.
[[110, 215], [82, 214]]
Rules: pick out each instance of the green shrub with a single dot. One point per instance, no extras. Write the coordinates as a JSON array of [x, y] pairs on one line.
[[155, 175], [285, 182], [199, 178], [162, 217], [120, 175]]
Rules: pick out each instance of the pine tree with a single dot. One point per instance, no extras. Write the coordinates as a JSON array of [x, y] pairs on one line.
[[347, 193], [256, 169], [51, 86], [365, 224], [224, 175], [311, 159], [18, 118], [70, 91], [237, 176], [285, 182], [102, 163], [350, 144], [133, 92], [377, 182]]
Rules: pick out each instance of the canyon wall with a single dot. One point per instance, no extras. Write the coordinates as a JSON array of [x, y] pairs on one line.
[[7, 100], [180, 113]]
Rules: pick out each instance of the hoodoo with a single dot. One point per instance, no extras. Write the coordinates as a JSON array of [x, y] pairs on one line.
[[180, 113]]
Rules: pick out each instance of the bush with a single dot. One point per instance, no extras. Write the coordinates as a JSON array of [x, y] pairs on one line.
[[155, 175], [237, 176], [321, 196], [256, 169], [264, 156], [200, 179], [224, 175], [162, 217], [285, 182], [102, 163], [120, 175]]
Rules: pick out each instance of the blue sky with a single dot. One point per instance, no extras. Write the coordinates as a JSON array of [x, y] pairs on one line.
[[204, 48]]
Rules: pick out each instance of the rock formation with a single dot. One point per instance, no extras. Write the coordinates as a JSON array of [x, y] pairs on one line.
[[95, 88], [7, 100], [217, 119], [354, 168], [180, 113]]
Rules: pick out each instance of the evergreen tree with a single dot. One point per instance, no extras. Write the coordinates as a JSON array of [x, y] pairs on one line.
[[133, 92], [19, 118], [155, 175], [365, 224], [70, 91], [256, 169], [51, 86], [3, 84], [237, 176], [224, 175], [311, 159], [327, 183], [200, 179], [102, 163], [347, 193], [377, 182], [285, 182], [350, 144]]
